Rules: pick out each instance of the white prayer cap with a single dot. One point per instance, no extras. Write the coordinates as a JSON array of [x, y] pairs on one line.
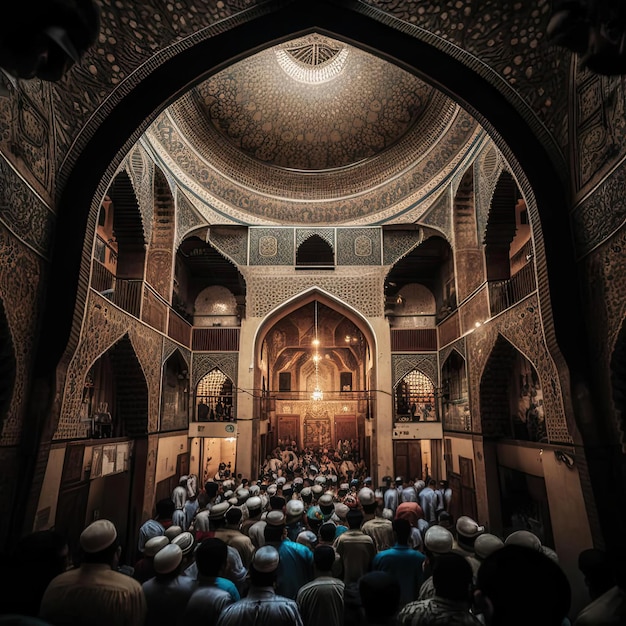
[[524, 538], [486, 544], [98, 536], [168, 559], [185, 541], [294, 508], [438, 540], [366, 496], [154, 544], [173, 531], [265, 559], [254, 503]]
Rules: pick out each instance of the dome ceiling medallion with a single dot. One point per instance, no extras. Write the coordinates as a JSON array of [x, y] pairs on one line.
[[313, 60], [313, 131]]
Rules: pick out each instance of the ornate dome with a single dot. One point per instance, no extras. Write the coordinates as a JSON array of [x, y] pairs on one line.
[[312, 131]]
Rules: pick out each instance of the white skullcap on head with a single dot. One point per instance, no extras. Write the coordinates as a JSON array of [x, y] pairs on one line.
[[294, 508], [275, 518], [265, 559], [523, 538], [420, 484], [366, 496], [317, 489], [487, 544], [438, 540], [98, 536], [242, 494], [154, 544], [254, 490], [326, 500], [307, 538], [388, 514], [281, 480], [218, 510], [168, 559], [185, 541], [173, 531], [253, 503], [271, 490]]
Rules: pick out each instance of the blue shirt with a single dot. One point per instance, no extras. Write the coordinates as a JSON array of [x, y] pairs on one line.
[[295, 568], [405, 565]]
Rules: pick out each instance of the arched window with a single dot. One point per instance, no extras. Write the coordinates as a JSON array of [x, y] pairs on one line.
[[415, 398], [214, 398]]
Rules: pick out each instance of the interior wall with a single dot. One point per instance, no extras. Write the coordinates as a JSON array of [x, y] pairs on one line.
[[568, 516], [461, 446], [168, 451], [50, 489], [218, 450]]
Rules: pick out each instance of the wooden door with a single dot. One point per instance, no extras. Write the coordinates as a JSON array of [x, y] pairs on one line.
[[345, 428], [70, 515], [407, 457], [288, 428], [468, 488]]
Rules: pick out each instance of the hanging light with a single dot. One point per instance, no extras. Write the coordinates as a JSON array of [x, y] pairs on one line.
[[317, 392]]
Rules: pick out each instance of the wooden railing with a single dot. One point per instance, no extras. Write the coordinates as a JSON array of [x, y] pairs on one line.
[[413, 339], [215, 339], [179, 329], [505, 293], [127, 295], [102, 280]]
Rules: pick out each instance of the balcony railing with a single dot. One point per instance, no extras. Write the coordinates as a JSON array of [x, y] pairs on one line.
[[503, 294]]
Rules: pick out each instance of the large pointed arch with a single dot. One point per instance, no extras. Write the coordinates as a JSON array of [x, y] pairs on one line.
[[483, 93]]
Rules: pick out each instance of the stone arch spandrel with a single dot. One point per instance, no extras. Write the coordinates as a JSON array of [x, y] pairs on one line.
[[104, 326], [20, 272], [203, 363], [521, 327], [360, 287], [402, 364]]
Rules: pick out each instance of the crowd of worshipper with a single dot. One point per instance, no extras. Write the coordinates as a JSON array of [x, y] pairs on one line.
[[296, 547]]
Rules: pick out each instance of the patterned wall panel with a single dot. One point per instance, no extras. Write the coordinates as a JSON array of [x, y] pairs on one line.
[[458, 345], [600, 214], [231, 242], [21, 272], [272, 246], [521, 326], [203, 363], [187, 217], [153, 310], [487, 170], [105, 324], [603, 280], [23, 212], [25, 122], [169, 347], [510, 40], [140, 169], [402, 364], [450, 329], [598, 112], [327, 234], [398, 243], [358, 246], [357, 287], [439, 216]]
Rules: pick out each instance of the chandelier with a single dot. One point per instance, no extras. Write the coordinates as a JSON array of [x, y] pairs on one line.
[[317, 392]]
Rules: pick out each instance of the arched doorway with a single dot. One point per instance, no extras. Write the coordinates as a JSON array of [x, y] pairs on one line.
[[316, 370]]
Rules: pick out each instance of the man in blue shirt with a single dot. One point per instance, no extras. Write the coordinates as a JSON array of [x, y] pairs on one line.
[[295, 568], [402, 562]]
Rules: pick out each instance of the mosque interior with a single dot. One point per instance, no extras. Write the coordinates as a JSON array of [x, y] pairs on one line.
[[236, 225]]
